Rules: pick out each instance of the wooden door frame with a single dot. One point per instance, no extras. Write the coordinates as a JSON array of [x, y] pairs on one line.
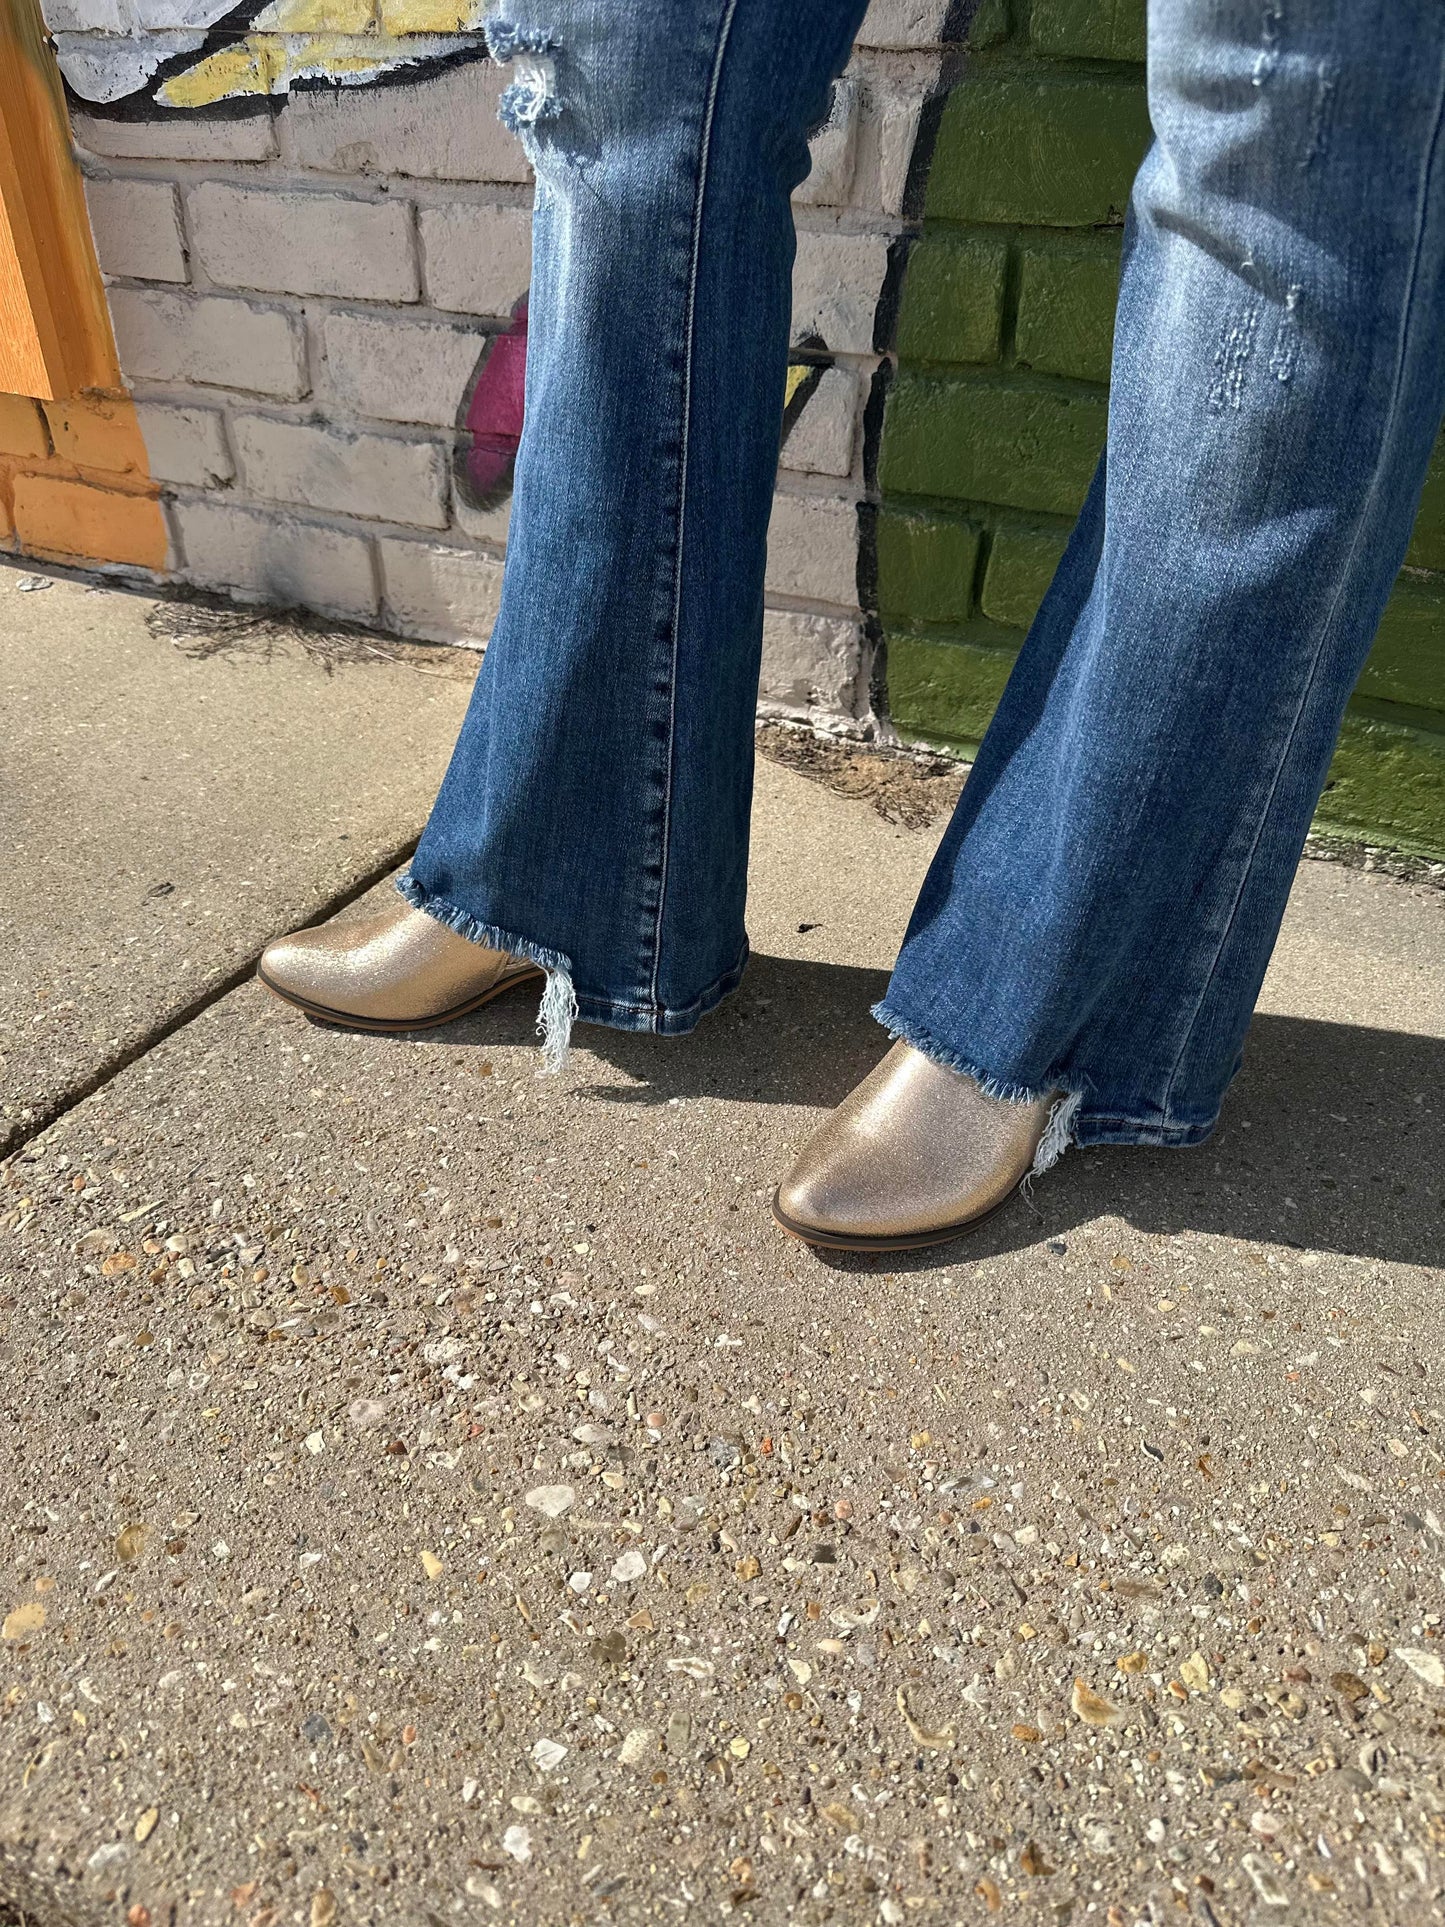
[[55, 335]]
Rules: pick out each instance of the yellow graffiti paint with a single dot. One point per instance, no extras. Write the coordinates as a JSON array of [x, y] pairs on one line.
[[316, 16], [340, 40], [430, 16], [268, 64], [250, 67], [798, 373]]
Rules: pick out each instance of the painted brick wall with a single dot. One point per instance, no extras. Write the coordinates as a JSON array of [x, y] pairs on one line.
[[302, 278], [305, 269], [997, 415]]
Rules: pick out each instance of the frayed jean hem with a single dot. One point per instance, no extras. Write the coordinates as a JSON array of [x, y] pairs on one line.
[[903, 1030], [562, 1006], [1059, 1132], [1082, 1126], [658, 1020], [558, 1009]]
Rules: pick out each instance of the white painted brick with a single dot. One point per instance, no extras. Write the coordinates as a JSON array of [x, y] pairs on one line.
[[137, 229], [107, 67], [441, 595], [213, 339], [249, 237], [812, 667], [898, 115], [476, 260], [96, 17], [813, 548], [325, 468], [485, 525], [836, 284], [441, 129], [185, 444], [272, 558], [399, 371], [893, 87], [821, 441], [834, 150], [171, 136], [903, 23]]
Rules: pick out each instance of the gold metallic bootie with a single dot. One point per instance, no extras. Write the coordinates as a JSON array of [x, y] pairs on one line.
[[398, 969], [914, 1156]]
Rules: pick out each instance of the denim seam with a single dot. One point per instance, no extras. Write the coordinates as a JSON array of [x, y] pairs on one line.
[[1407, 315], [704, 160], [1095, 1132]]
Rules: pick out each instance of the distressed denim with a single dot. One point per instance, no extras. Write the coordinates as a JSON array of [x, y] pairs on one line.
[[1103, 905], [595, 813]]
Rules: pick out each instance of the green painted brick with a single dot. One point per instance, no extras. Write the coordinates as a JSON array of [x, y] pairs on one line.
[[1089, 29], [1427, 547], [1068, 290], [1023, 443], [944, 691], [1407, 663], [1387, 784], [1021, 565], [1046, 149], [953, 298], [993, 22], [926, 565]]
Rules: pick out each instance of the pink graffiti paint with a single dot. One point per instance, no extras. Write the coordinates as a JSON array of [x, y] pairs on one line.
[[492, 414]]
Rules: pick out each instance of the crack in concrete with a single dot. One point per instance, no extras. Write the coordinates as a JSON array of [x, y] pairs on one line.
[[24, 1132]]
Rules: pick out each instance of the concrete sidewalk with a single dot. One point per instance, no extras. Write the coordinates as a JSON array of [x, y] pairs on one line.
[[438, 1494], [177, 784]]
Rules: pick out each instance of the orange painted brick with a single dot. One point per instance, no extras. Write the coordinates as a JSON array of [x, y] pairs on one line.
[[22, 429], [7, 502], [98, 431], [58, 517]]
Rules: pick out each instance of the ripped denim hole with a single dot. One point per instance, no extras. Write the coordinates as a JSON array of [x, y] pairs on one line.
[[1326, 85], [505, 39], [531, 96], [1232, 356], [1271, 35], [840, 96]]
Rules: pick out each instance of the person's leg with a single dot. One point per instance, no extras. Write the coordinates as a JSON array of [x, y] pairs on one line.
[[595, 814], [1101, 911]]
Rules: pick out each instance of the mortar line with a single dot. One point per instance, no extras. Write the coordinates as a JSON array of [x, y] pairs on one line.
[[107, 1072]]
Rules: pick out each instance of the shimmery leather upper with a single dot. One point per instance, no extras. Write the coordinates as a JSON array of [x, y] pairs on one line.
[[915, 1148], [394, 965]]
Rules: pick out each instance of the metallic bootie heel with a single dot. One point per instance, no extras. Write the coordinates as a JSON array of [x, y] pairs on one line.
[[916, 1155], [398, 969]]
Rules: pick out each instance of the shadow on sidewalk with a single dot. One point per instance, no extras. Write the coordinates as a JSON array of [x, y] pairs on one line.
[[1332, 1136]]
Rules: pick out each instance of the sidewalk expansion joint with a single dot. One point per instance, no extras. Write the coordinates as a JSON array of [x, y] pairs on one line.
[[23, 1134]]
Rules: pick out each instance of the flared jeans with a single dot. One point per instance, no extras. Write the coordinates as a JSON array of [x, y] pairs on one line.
[[1100, 913]]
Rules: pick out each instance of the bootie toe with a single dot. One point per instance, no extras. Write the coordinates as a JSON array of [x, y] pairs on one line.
[[915, 1155], [397, 969]]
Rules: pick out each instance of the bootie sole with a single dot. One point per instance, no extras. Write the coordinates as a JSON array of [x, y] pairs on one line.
[[907, 1241]]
